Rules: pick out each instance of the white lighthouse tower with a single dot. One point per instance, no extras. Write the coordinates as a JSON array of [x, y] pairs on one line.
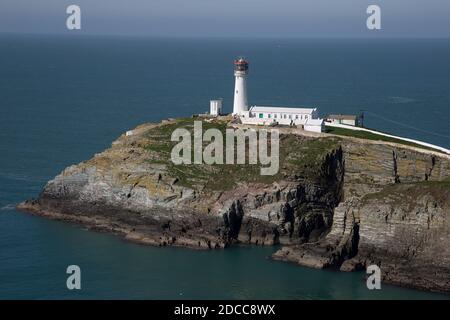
[[240, 90]]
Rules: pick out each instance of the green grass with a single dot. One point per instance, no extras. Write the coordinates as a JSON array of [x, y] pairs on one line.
[[300, 157], [305, 157], [373, 136], [436, 184], [407, 192]]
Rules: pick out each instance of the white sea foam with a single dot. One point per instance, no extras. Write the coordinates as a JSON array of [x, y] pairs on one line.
[[400, 100], [14, 176], [8, 207]]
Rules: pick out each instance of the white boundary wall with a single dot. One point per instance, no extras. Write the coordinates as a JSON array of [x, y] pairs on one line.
[[388, 135]]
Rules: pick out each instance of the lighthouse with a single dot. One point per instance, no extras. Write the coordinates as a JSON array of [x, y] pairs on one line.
[[240, 91]]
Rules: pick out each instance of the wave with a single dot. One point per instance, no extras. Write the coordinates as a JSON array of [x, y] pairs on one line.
[[407, 125], [16, 177], [400, 100], [8, 207]]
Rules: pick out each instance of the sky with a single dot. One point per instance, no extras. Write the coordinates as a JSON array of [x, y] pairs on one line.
[[231, 18]]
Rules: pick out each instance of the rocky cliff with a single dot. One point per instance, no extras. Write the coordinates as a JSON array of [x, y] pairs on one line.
[[394, 213], [336, 202]]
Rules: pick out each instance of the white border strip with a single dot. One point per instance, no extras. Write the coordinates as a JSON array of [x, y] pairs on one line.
[[425, 144]]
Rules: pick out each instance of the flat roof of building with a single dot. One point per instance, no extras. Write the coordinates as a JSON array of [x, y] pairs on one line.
[[281, 109], [341, 116]]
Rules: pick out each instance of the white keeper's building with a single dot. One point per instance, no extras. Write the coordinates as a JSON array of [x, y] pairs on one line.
[[304, 118]]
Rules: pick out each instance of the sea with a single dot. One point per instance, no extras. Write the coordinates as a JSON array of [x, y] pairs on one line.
[[64, 98]]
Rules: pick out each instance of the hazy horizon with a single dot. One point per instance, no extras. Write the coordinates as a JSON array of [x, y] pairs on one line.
[[288, 19]]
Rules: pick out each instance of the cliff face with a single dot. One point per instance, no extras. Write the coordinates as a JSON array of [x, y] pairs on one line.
[[405, 230], [336, 202], [394, 213], [133, 189]]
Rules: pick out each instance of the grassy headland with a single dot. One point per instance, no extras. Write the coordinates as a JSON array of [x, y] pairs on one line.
[[373, 136], [300, 157]]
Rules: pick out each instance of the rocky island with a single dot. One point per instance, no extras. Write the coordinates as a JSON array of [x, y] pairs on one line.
[[337, 201]]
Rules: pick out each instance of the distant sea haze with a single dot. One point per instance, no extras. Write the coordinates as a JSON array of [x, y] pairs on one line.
[[63, 99]]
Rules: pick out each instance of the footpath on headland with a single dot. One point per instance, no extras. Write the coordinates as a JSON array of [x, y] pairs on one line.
[[418, 142], [408, 143]]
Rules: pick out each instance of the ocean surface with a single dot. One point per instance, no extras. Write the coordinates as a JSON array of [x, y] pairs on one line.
[[64, 98]]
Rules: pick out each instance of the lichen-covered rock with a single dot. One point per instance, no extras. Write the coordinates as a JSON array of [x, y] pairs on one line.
[[336, 202], [395, 212]]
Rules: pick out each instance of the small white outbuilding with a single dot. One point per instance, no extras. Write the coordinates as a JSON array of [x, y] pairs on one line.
[[215, 107], [314, 125]]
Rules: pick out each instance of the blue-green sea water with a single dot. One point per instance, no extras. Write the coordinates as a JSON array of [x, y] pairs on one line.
[[64, 98]]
